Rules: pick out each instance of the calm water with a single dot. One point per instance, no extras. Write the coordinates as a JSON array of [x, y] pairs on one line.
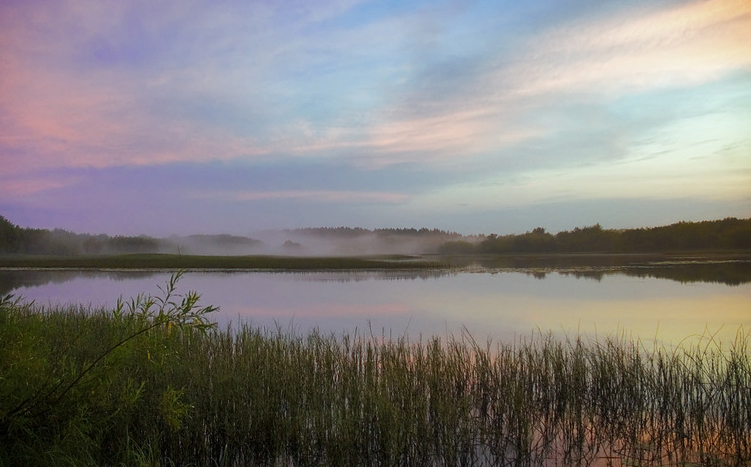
[[500, 304]]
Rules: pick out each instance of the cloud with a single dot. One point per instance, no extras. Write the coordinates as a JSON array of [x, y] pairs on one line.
[[684, 45], [109, 84], [558, 83], [17, 189], [308, 196]]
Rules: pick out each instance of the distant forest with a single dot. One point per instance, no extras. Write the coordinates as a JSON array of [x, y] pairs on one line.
[[725, 234], [354, 232], [58, 242], [357, 231]]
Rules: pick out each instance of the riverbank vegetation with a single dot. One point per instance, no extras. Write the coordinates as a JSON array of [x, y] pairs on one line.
[[229, 263], [153, 383], [16, 240]]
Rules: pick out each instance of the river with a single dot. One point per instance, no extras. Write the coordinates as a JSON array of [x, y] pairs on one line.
[[670, 302]]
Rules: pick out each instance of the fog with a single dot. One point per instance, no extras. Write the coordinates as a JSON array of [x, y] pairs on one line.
[[353, 242], [221, 245], [339, 241], [309, 242]]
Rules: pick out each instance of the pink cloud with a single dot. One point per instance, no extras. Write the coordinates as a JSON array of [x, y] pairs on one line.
[[58, 115], [58, 112], [440, 137], [18, 188], [62, 122], [317, 196]]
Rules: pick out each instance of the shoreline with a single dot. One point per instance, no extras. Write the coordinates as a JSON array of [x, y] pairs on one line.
[[151, 262]]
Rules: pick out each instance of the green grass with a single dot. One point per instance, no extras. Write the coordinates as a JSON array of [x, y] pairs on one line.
[[173, 262], [386, 262], [151, 383]]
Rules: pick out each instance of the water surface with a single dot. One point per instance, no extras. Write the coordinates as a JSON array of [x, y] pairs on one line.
[[501, 304]]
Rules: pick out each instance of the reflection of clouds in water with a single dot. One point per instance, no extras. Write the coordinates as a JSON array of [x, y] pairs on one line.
[[501, 305], [323, 310], [670, 319], [394, 318]]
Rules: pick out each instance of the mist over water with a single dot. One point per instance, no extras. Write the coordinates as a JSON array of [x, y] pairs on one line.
[[316, 242], [298, 242]]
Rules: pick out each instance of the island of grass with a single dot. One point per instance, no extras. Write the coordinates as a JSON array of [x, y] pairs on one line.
[[195, 262], [171, 262]]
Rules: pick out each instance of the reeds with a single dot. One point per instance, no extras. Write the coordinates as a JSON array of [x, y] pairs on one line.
[[250, 396]]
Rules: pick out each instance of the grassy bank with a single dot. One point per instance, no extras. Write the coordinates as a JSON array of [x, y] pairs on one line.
[[384, 262], [151, 383], [186, 262]]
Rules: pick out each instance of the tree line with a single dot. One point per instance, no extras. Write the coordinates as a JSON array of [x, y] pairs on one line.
[[726, 234], [353, 232], [58, 242]]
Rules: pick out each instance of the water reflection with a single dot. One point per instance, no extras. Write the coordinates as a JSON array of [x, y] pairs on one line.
[[728, 274], [13, 279], [359, 276], [497, 303]]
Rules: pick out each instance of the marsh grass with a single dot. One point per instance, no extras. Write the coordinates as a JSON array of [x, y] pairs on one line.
[[96, 387], [253, 262]]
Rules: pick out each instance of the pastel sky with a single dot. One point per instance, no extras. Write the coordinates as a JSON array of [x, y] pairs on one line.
[[231, 116]]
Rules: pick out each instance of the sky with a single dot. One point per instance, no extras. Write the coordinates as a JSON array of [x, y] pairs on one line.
[[479, 117]]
